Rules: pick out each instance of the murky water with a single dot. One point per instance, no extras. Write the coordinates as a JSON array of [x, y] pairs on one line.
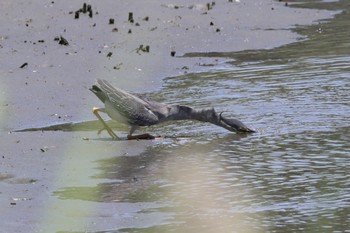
[[293, 175]]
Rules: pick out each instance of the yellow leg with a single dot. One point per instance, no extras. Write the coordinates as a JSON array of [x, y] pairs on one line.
[[106, 127]]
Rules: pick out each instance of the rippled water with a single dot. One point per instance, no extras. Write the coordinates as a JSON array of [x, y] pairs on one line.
[[293, 175]]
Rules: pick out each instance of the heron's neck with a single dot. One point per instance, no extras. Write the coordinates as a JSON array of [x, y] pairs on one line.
[[179, 112]]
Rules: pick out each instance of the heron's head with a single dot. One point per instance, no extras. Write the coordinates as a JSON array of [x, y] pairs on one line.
[[233, 125]]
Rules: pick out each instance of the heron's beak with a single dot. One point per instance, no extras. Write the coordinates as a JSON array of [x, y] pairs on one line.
[[234, 125]]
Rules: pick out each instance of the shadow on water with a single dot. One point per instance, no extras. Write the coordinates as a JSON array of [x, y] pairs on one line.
[[291, 176], [141, 178], [188, 178], [285, 183]]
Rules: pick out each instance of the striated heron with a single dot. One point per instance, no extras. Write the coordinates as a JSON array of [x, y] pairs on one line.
[[137, 110]]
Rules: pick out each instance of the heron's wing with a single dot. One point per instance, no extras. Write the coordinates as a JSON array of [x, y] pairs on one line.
[[161, 110], [136, 110]]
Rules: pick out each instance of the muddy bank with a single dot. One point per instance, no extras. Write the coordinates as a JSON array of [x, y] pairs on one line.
[[49, 60]]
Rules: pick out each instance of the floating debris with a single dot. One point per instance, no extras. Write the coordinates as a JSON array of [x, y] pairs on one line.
[[146, 18], [172, 53], [115, 30], [109, 54]]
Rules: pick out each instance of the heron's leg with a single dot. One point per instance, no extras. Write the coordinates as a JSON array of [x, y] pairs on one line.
[[106, 127], [137, 137]]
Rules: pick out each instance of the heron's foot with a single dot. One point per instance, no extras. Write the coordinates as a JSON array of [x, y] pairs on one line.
[[110, 132], [141, 136]]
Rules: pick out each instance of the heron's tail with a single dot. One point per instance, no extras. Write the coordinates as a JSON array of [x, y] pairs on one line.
[[99, 93]]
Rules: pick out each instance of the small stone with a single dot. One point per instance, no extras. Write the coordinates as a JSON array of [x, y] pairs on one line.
[[146, 49], [63, 41]]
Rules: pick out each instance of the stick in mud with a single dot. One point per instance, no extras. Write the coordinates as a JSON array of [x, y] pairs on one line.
[[24, 65], [76, 16], [84, 9], [131, 18]]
